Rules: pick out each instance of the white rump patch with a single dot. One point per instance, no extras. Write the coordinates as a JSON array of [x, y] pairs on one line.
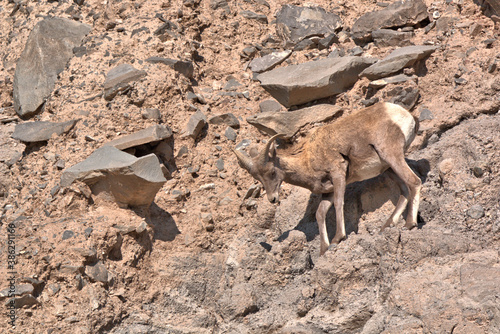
[[403, 119]]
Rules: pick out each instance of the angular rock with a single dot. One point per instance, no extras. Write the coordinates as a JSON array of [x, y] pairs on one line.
[[227, 119], [232, 85], [294, 23], [185, 68], [230, 134], [476, 211], [397, 14], [20, 290], [118, 79], [45, 55], [270, 105], [262, 64], [195, 124], [407, 97], [151, 113], [289, 123], [389, 37], [254, 16], [397, 79], [298, 84], [397, 60], [11, 150], [97, 272], [152, 134], [32, 132], [118, 175]]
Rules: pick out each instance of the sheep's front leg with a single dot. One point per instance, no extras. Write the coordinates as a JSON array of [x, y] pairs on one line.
[[339, 184], [324, 206]]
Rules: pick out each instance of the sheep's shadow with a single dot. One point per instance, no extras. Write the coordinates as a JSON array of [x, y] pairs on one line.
[[353, 208]]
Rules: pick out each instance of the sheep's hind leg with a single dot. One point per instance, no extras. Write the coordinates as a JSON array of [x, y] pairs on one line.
[[403, 199]]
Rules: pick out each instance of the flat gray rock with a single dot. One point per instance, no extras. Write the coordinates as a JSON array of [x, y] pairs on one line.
[[298, 84], [118, 176], [32, 132], [266, 63], [294, 23], [397, 14], [195, 124], [45, 55], [396, 79], [254, 16], [152, 134], [118, 79], [389, 37], [228, 119], [397, 60], [270, 105], [289, 123]]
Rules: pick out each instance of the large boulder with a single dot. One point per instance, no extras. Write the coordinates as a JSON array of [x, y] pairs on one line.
[[298, 84], [118, 176], [294, 23], [157, 139], [397, 60], [397, 14], [45, 55], [289, 123], [32, 132]]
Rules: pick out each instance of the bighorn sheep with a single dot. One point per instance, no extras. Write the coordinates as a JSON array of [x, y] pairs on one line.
[[356, 147]]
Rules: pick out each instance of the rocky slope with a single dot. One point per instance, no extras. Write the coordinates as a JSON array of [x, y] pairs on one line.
[[211, 254]]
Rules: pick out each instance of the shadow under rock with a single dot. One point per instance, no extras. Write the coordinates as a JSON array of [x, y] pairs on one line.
[[164, 226], [353, 210]]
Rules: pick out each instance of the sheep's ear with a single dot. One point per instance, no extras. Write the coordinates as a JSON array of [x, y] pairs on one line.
[[272, 151]]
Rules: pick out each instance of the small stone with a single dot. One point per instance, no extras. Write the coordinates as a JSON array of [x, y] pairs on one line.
[[206, 217], [192, 97], [193, 170], [249, 51], [477, 171], [182, 151], [31, 132], [97, 272], [151, 113], [232, 85], [225, 201], [254, 16], [227, 119], [461, 81], [68, 234], [356, 51], [195, 125], [88, 232], [60, 164], [209, 227], [219, 163], [476, 211], [425, 114], [207, 186], [230, 134]]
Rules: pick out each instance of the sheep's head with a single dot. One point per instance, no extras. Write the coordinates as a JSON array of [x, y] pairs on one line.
[[264, 167]]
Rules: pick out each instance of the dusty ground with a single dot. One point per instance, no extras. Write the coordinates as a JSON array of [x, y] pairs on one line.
[[249, 270]]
